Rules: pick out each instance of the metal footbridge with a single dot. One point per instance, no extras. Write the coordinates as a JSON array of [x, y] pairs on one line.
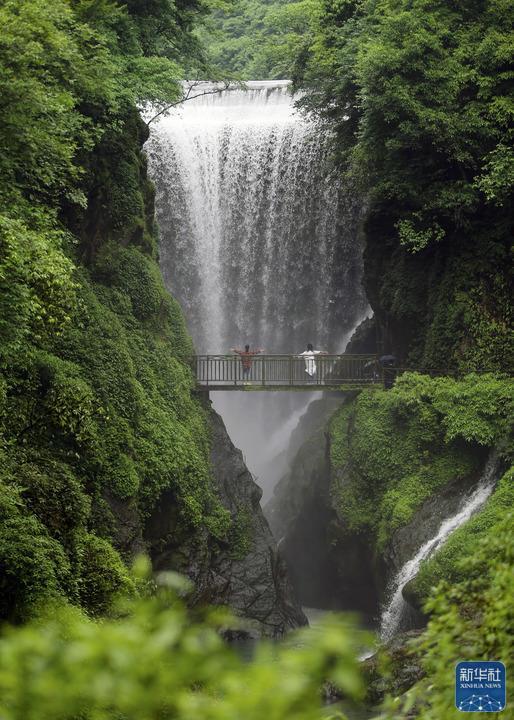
[[287, 372]]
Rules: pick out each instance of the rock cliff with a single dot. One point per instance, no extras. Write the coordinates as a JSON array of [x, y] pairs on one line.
[[365, 491], [246, 573]]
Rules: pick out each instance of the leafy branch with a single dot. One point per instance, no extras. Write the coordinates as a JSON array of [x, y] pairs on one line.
[[224, 86]]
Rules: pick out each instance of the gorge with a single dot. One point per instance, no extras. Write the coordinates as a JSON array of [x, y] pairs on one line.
[[161, 550], [262, 245]]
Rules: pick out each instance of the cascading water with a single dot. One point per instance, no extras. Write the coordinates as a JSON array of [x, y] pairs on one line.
[[259, 241], [391, 620]]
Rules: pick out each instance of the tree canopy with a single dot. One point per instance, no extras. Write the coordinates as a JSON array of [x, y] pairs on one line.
[[256, 40], [420, 94]]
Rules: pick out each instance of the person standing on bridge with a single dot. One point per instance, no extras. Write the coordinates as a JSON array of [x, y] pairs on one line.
[[309, 356], [246, 356]]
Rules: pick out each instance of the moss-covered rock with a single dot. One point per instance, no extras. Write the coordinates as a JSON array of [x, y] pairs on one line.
[[389, 453]]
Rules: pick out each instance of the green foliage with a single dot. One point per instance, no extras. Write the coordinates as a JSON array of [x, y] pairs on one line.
[[95, 384], [70, 70], [108, 412], [478, 408], [138, 277], [44, 552], [498, 175], [240, 536], [45, 57], [340, 435], [36, 285], [54, 494], [392, 450], [33, 565], [158, 662], [471, 619], [258, 40], [149, 435], [430, 85], [102, 575]]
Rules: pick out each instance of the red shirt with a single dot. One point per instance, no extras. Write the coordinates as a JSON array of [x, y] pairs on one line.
[[246, 357]]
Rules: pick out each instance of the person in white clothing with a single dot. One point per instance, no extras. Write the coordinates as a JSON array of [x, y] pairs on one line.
[[309, 356]]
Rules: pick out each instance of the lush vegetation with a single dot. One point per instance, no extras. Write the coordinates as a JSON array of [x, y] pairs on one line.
[[256, 39], [391, 450], [96, 413]]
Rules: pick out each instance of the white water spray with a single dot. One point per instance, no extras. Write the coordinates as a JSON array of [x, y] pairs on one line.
[[392, 615], [259, 240]]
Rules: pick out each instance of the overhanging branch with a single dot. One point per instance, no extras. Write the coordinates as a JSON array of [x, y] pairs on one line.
[[225, 86]]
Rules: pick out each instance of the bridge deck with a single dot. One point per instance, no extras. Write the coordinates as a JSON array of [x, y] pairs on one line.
[[285, 372]]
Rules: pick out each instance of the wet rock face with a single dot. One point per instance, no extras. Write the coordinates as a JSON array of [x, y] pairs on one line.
[[247, 572], [125, 525], [327, 571], [364, 339], [304, 550], [307, 458]]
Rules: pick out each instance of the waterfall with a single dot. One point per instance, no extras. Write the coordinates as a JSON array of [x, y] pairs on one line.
[[396, 608], [259, 240]]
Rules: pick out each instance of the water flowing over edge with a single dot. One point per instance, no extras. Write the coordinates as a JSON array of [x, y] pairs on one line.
[[260, 243]]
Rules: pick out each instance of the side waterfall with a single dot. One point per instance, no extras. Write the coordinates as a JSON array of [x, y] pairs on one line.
[[259, 241], [393, 613]]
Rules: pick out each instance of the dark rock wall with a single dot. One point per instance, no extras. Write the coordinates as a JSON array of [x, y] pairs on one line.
[[246, 573]]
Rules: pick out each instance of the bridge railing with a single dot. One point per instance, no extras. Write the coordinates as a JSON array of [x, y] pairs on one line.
[[285, 370]]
